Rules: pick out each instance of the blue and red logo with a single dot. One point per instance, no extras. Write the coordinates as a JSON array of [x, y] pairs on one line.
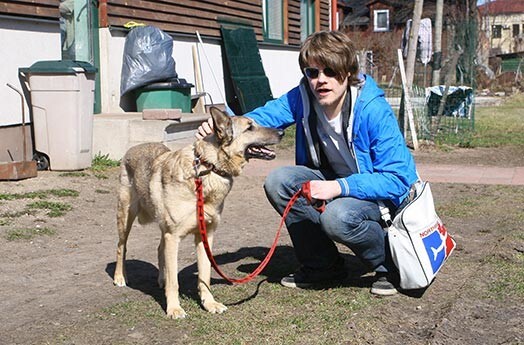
[[439, 245]]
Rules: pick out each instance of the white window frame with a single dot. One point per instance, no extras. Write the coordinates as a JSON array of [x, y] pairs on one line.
[[376, 14]]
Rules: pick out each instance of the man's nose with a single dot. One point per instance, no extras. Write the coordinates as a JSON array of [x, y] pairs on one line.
[[321, 76]]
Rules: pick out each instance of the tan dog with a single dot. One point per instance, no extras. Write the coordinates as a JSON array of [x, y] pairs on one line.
[[157, 184]]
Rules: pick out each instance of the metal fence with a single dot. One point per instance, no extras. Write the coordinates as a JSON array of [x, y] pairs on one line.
[[456, 120]]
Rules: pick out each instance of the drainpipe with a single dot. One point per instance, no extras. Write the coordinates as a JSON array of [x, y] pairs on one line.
[[334, 15], [102, 13]]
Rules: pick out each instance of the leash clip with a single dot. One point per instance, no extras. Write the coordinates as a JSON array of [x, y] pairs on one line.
[[196, 165], [319, 205]]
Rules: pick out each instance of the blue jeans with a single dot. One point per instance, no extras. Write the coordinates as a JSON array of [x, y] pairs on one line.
[[346, 220]]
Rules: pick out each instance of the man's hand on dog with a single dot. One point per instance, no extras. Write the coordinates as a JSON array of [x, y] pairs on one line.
[[205, 129]]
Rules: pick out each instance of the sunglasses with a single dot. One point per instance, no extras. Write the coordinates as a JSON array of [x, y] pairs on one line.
[[313, 72]]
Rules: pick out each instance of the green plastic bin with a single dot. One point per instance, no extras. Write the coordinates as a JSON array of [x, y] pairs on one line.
[[172, 94]]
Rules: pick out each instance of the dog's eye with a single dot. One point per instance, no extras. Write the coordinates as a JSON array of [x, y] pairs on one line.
[[250, 126]]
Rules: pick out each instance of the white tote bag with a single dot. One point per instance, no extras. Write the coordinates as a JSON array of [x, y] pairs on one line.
[[419, 242]]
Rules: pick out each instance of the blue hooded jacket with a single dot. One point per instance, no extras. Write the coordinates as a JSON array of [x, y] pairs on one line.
[[386, 169]]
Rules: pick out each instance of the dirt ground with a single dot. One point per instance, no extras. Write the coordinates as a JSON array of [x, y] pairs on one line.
[[53, 286]]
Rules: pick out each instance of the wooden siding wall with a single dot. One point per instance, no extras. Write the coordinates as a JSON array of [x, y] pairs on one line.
[[188, 16], [177, 16], [42, 9]]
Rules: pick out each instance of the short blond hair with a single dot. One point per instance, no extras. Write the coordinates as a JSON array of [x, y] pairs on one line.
[[331, 49]]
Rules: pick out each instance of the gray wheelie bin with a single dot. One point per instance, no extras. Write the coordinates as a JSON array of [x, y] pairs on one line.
[[62, 99]]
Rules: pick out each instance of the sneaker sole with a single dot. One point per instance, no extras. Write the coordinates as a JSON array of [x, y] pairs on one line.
[[294, 285], [384, 292]]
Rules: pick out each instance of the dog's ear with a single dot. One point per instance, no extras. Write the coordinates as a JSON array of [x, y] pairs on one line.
[[223, 125]]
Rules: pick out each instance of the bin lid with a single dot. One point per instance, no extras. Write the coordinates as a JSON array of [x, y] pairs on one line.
[[169, 84], [60, 67]]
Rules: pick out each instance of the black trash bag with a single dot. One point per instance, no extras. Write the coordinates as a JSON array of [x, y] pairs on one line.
[[147, 58]]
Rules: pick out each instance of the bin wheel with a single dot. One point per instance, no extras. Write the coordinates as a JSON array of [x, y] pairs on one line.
[[42, 162]]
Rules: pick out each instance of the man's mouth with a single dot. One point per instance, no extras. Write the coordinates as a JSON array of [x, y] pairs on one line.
[[323, 91]]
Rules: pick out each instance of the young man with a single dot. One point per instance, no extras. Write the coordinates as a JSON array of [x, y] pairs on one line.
[[348, 144]]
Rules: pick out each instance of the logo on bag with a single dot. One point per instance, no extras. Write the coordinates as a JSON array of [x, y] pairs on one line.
[[438, 244]]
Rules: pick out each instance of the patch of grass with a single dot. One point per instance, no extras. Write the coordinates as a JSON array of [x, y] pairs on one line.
[[288, 141], [132, 312], [324, 313], [64, 193], [74, 174], [56, 209], [28, 233], [41, 194], [101, 176], [459, 208], [509, 278], [494, 127], [103, 162], [102, 191], [482, 200], [16, 214], [256, 313]]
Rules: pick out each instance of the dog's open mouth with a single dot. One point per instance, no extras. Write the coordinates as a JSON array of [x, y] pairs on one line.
[[259, 152]]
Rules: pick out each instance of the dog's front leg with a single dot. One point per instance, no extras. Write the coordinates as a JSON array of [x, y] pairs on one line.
[[204, 277], [171, 244]]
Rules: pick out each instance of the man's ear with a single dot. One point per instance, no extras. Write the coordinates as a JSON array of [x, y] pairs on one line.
[[222, 125]]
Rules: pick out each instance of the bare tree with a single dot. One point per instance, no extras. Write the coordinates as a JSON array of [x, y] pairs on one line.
[[413, 40], [437, 55]]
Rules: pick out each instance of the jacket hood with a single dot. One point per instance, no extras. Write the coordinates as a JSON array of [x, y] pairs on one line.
[[370, 90]]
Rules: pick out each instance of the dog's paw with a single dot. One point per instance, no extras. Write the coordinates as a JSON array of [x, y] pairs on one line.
[[176, 313], [119, 281], [214, 307]]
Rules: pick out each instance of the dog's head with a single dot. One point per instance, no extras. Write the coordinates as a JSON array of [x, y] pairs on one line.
[[240, 138]]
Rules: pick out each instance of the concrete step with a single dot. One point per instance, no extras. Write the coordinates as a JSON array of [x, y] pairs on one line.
[[114, 134]]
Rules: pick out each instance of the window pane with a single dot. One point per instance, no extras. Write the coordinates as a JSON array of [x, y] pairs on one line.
[[516, 28], [496, 31], [274, 20], [382, 20], [307, 18]]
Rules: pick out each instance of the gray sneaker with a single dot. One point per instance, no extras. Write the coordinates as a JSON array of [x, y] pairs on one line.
[[383, 286], [303, 279]]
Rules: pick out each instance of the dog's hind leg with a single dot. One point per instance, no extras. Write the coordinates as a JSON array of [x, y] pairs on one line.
[[126, 214], [204, 276]]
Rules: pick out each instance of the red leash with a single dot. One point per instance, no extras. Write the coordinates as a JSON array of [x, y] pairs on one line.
[[304, 191]]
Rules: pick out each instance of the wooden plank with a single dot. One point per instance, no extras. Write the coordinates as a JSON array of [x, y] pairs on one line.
[[171, 27], [159, 18], [143, 14], [51, 3], [28, 10], [202, 7], [200, 106], [407, 99], [254, 6], [191, 8]]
